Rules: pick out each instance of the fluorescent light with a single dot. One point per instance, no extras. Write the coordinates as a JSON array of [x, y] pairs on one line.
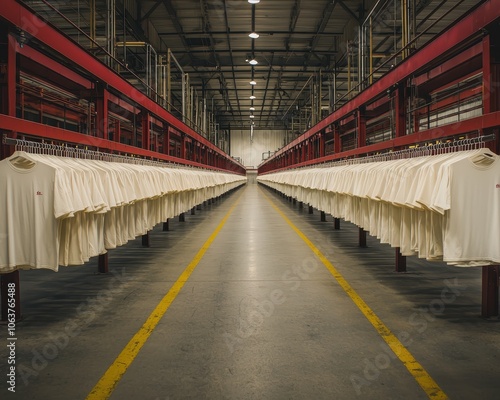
[[252, 108], [254, 35], [252, 82], [253, 61], [252, 116], [254, 1], [252, 97]]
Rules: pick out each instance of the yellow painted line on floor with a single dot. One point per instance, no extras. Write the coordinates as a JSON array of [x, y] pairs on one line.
[[104, 388], [430, 387]]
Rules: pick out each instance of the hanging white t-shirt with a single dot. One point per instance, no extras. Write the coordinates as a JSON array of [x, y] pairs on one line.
[[28, 228], [470, 196]]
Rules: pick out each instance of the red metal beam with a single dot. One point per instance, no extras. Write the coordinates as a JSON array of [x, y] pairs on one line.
[[471, 125], [14, 124], [53, 65], [447, 66]]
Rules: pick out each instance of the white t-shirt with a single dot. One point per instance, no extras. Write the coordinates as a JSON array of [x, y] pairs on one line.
[[28, 228], [470, 196]]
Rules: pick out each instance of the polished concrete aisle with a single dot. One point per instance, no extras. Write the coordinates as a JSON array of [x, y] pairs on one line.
[[260, 317]]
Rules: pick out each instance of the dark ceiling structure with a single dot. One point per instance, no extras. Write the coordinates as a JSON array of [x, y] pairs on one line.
[[194, 56]]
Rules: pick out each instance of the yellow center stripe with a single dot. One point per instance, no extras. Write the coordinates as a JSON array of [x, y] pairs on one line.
[[104, 388], [422, 377]]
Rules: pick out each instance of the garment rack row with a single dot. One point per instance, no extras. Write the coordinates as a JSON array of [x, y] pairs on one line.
[[85, 153], [68, 151], [431, 149]]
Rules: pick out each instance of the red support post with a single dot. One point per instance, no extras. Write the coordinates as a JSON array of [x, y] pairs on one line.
[[9, 92], [491, 77], [146, 131], [400, 123], [118, 132], [8, 82], [322, 144], [102, 117], [183, 147], [490, 277], [361, 123], [337, 146]]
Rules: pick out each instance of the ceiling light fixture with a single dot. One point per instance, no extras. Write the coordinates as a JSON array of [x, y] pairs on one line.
[[254, 1], [253, 61], [254, 35], [252, 116], [252, 97], [252, 82], [252, 108]]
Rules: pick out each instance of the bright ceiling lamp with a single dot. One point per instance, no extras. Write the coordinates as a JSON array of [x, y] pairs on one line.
[[254, 1], [252, 116], [254, 35], [252, 97], [253, 61], [252, 108], [252, 82]]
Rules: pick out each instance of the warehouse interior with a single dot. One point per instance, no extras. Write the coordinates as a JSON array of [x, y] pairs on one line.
[[250, 199]]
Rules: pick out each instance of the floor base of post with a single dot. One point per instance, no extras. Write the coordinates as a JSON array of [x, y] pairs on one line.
[[490, 280], [336, 224], [400, 261], [362, 237], [103, 264], [145, 240]]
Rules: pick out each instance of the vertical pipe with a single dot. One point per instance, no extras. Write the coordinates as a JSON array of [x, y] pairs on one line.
[[92, 22], [169, 82], [155, 69], [371, 50], [334, 88], [183, 97], [111, 31], [404, 28], [148, 70], [124, 36], [205, 115], [360, 55], [349, 50], [331, 96], [413, 34], [320, 83]]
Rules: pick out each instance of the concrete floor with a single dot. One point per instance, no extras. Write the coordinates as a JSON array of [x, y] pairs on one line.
[[259, 318]]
